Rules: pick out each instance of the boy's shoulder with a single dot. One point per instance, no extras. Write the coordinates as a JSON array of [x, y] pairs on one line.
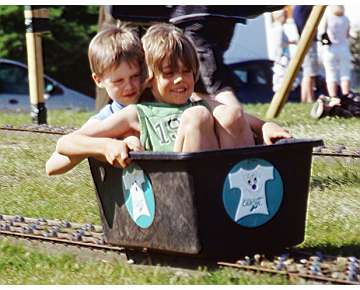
[[108, 110], [160, 106]]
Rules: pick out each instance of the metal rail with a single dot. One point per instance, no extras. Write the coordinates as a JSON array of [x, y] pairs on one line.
[[55, 231], [334, 151], [319, 276], [45, 129]]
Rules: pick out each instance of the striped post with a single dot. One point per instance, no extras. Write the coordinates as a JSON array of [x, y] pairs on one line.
[[36, 22]]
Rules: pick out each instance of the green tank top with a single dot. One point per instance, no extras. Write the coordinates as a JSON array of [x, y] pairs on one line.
[[159, 123]]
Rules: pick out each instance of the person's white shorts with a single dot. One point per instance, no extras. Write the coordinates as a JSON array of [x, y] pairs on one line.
[[310, 64], [337, 62]]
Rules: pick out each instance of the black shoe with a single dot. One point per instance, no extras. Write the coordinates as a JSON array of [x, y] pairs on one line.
[[340, 112]]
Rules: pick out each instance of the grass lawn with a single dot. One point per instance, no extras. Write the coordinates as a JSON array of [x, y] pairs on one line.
[[332, 225]]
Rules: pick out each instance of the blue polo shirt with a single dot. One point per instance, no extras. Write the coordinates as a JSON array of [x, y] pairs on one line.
[[108, 110]]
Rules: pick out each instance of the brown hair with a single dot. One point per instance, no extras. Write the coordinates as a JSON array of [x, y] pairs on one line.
[[115, 44], [162, 40]]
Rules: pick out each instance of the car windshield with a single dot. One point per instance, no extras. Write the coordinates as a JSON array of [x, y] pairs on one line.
[[14, 79]]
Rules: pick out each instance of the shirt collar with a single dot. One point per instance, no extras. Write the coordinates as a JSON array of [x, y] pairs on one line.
[[117, 106]]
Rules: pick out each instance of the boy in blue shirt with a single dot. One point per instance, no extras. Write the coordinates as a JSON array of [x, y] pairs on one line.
[[117, 62]]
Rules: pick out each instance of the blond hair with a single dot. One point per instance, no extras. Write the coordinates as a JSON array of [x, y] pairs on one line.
[[279, 16], [113, 45], [337, 10], [166, 40]]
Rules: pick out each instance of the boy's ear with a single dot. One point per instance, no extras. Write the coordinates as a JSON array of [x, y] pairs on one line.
[[149, 79], [97, 80]]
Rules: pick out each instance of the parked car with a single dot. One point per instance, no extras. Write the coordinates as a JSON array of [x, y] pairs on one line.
[[253, 80], [14, 90]]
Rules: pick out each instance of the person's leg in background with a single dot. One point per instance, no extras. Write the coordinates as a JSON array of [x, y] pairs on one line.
[[331, 65], [345, 70], [310, 71], [307, 91], [345, 86]]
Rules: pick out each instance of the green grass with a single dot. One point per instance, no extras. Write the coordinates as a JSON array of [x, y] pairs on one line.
[[332, 218], [22, 266]]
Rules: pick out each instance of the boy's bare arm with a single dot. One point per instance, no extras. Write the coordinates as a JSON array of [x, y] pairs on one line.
[[118, 125], [106, 149], [69, 154], [270, 132], [114, 151], [59, 164], [81, 146]]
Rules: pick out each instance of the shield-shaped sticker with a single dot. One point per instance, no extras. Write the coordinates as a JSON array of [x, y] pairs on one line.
[[138, 196]]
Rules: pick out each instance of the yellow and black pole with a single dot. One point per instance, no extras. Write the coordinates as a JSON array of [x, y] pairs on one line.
[[36, 22]]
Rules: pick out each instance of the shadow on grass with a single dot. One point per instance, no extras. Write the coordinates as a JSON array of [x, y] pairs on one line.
[[328, 181], [170, 260]]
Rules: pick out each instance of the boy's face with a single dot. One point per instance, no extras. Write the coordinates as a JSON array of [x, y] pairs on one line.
[[173, 87], [122, 83]]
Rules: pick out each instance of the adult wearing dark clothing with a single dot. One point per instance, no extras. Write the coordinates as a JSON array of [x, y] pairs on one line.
[[211, 29], [211, 33], [300, 15], [310, 65]]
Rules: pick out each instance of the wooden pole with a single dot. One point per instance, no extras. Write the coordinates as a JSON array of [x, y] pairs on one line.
[[102, 97], [36, 19], [306, 38]]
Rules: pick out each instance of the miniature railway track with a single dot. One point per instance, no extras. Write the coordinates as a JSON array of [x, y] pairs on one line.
[[294, 264], [45, 129], [332, 270], [334, 151]]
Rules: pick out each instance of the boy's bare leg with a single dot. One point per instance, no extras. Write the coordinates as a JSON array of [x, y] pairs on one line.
[[227, 96], [196, 131], [232, 127]]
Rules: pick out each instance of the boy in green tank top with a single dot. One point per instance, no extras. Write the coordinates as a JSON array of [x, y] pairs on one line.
[[174, 123], [173, 68]]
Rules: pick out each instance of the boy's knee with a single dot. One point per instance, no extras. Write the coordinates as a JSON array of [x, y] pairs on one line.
[[197, 118], [230, 116]]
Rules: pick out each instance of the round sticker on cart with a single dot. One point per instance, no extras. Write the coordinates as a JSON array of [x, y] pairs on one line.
[[138, 196], [252, 192]]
